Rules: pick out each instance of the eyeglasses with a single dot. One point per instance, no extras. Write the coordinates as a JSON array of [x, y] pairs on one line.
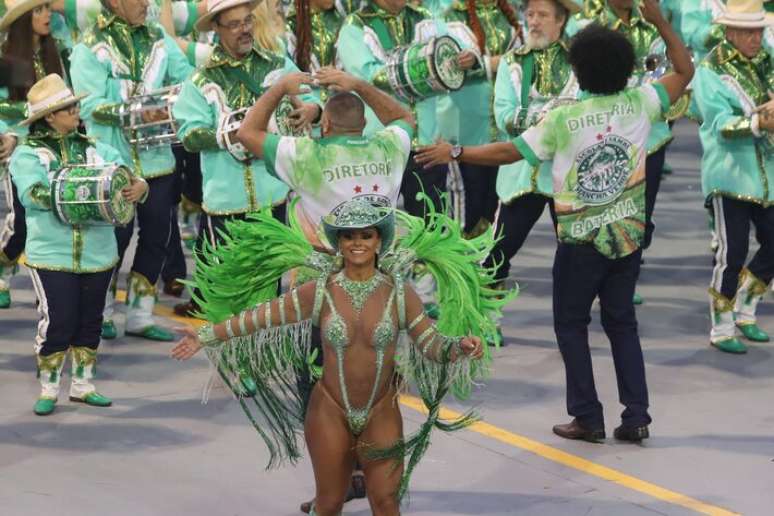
[[234, 26], [71, 109]]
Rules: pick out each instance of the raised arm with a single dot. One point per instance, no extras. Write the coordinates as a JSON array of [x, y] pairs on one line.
[[254, 127], [386, 108], [433, 345], [675, 82], [291, 307]]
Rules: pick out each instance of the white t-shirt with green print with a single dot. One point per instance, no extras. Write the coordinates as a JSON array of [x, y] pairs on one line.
[[598, 148], [330, 171]]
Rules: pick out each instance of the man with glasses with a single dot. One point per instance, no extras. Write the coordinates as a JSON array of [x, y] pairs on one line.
[[236, 74], [120, 57]]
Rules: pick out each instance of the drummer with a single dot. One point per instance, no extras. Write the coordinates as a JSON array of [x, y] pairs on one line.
[[70, 266], [123, 56], [236, 74]]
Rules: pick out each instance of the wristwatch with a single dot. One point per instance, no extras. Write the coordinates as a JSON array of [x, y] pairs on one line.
[[456, 152]]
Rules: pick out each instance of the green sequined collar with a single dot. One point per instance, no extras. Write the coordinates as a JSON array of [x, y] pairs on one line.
[[371, 10], [220, 57], [727, 52], [51, 134], [614, 22], [109, 19]]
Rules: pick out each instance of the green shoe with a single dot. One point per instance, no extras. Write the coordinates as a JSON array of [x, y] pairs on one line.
[[153, 333], [44, 406], [753, 332], [5, 298], [94, 399], [731, 345], [637, 299], [432, 310], [109, 330]]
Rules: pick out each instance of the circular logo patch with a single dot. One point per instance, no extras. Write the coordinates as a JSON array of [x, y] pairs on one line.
[[603, 170]]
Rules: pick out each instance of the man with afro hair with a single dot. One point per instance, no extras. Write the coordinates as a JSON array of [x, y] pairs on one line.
[[598, 148]]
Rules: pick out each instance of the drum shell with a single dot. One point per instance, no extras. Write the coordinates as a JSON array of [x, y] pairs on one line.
[[90, 195]]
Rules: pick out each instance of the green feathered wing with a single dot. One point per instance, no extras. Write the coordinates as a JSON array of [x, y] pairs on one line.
[[240, 273], [469, 306]]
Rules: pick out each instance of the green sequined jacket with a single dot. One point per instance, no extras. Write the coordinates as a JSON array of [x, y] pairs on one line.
[[206, 99], [325, 31]]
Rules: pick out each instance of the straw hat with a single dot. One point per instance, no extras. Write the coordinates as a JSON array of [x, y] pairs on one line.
[[745, 14], [360, 214], [214, 7], [17, 9], [48, 95]]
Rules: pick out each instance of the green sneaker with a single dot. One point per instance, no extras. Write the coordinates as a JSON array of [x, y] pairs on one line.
[[730, 345], [432, 310], [153, 333], [753, 332], [94, 399], [637, 299], [109, 330], [44, 406], [5, 298]]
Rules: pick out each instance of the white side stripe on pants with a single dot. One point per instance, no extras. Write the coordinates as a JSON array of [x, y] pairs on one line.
[[42, 334], [721, 258]]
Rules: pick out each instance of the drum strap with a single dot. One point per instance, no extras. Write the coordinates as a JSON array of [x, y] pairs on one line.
[[382, 32], [238, 75], [528, 69]]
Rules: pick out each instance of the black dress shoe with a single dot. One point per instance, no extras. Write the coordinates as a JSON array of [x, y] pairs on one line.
[[574, 430], [633, 434], [189, 309], [174, 288]]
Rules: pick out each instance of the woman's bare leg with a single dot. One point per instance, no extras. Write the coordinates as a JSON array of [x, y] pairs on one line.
[[382, 476], [331, 447]]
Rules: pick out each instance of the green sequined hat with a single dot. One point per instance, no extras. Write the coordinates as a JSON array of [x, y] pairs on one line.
[[360, 214]]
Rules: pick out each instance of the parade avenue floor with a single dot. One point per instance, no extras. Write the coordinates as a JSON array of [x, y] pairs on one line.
[[159, 451]]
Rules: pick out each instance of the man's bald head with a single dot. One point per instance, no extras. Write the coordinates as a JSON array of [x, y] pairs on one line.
[[344, 113]]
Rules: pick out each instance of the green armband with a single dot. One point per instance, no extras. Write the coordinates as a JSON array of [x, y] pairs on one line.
[[41, 196], [107, 114]]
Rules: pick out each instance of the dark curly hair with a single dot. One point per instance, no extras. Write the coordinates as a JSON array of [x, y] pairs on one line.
[[603, 59]]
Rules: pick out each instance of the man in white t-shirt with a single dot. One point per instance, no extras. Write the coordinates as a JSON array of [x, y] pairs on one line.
[[598, 148], [343, 164]]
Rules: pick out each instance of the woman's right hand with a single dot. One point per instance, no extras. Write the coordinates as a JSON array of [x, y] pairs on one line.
[[188, 346]]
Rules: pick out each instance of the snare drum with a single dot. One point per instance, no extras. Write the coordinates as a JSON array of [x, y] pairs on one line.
[[150, 134], [422, 70], [90, 195]]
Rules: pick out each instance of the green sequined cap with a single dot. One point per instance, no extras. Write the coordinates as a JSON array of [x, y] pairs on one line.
[[360, 214]]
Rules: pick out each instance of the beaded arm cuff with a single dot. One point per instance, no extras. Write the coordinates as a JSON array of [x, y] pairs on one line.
[[207, 336]]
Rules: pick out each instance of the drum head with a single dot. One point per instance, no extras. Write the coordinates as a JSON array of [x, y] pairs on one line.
[[119, 210], [445, 63]]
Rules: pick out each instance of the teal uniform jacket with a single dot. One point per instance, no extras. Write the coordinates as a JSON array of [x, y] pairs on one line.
[[552, 77], [208, 97], [364, 41], [736, 162], [113, 63], [465, 116], [52, 245]]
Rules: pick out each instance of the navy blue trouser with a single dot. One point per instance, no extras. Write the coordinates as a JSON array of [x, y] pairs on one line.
[[70, 306], [13, 230], [514, 222], [480, 193], [416, 179], [581, 274], [156, 218], [654, 169]]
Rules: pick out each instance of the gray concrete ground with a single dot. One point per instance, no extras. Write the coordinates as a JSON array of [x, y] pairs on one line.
[[158, 451]]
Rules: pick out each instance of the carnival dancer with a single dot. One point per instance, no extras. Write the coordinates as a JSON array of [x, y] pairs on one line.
[[121, 57], [28, 39], [625, 16], [344, 164], [598, 151], [234, 183], [531, 80], [360, 308], [369, 35], [70, 265], [734, 90]]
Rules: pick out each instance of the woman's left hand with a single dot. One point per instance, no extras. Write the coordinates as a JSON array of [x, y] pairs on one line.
[[135, 191], [471, 346], [466, 60]]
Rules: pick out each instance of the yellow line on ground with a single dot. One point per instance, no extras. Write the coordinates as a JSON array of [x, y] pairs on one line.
[[543, 450], [576, 462]]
